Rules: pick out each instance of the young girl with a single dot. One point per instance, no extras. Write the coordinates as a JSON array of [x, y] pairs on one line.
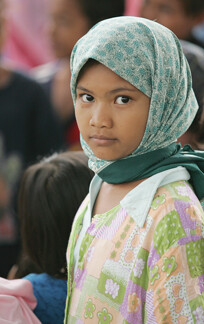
[[135, 253]]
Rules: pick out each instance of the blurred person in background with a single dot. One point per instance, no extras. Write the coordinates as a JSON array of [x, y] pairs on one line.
[[132, 7], [198, 31], [50, 194], [27, 122], [195, 134], [180, 16], [10, 168], [28, 126], [69, 20], [27, 44]]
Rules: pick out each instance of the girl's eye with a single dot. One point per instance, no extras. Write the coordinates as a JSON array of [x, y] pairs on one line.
[[122, 100], [87, 98]]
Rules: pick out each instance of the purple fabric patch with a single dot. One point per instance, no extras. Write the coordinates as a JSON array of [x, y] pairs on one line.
[[188, 239], [133, 313], [150, 317], [186, 221], [79, 322], [192, 195], [91, 229], [201, 283], [79, 278], [153, 257], [107, 232]]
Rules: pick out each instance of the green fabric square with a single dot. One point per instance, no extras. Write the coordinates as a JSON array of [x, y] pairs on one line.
[[86, 242], [111, 288], [140, 272], [173, 189], [195, 257], [197, 308], [168, 232]]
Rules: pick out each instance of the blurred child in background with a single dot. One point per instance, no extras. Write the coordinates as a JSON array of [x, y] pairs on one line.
[[195, 134], [70, 20], [50, 194], [27, 123], [27, 44], [10, 170], [132, 7], [28, 126], [180, 16]]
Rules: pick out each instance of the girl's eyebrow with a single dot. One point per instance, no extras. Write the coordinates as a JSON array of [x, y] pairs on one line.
[[84, 89], [122, 89], [111, 91]]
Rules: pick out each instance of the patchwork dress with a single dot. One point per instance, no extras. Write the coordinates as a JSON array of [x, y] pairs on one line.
[[133, 272]]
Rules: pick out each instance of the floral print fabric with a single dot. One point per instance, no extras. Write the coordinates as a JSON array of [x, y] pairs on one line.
[[152, 274]]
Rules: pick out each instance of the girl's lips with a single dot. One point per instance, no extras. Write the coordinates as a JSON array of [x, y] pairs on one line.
[[102, 140]]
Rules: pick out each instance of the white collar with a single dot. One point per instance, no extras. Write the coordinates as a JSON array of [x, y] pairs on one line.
[[138, 201]]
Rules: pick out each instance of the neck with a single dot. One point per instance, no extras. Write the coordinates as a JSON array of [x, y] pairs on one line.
[[112, 194]]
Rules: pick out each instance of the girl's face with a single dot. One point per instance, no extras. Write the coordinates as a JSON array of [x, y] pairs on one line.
[[171, 14], [67, 24], [111, 113]]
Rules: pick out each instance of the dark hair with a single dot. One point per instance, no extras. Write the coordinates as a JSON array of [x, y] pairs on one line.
[[50, 194], [193, 7], [97, 10], [87, 65]]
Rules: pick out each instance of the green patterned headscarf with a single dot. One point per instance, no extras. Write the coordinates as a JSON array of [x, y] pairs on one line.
[[150, 57]]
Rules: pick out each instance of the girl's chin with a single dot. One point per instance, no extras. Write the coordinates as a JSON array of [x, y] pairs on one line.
[[108, 157]]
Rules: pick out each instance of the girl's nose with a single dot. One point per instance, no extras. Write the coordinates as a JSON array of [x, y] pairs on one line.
[[101, 116]]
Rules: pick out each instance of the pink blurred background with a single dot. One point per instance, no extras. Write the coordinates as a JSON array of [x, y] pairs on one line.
[[27, 44]]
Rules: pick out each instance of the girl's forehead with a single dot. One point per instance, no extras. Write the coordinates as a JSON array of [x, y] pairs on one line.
[[109, 80], [86, 67], [125, 46]]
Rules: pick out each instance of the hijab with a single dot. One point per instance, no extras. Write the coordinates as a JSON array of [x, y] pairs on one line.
[[150, 57]]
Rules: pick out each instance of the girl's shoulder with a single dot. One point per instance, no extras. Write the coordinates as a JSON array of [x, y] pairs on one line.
[[178, 192], [176, 213]]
